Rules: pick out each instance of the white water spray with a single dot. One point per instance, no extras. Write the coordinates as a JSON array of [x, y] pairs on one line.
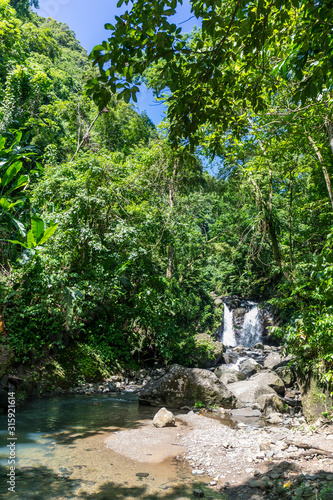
[[252, 330], [229, 338]]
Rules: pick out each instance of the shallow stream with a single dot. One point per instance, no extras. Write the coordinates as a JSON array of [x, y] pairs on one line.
[[61, 454]]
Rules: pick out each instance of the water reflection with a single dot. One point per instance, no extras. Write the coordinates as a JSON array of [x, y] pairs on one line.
[[61, 419]]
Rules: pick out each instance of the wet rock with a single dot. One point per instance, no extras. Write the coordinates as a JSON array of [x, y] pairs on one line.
[[164, 418], [246, 412], [249, 367], [259, 345], [186, 386], [238, 348]]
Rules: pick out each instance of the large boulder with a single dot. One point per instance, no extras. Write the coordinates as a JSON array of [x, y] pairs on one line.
[[273, 359], [231, 376], [287, 374], [316, 399], [270, 378], [207, 352], [249, 391], [164, 418], [249, 367], [271, 403], [186, 386]]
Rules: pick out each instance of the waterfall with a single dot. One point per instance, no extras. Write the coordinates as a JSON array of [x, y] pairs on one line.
[[251, 332], [229, 338]]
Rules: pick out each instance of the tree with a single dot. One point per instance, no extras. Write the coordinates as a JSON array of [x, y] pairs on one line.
[[213, 75], [23, 7]]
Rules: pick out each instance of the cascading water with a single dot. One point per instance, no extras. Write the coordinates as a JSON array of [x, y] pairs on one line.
[[251, 331], [229, 337]]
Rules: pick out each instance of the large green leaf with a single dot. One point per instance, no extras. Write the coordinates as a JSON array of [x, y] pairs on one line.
[[16, 242], [6, 205], [2, 142], [37, 227], [20, 227], [48, 233], [31, 242], [11, 172]]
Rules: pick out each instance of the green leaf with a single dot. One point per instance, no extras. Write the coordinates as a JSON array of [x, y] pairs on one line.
[[47, 234], [31, 242], [4, 204], [11, 172], [37, 227], [2, 142], [16, 242], [20, 227]]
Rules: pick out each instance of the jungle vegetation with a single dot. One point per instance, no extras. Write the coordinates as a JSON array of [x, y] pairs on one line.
[[114, 234]]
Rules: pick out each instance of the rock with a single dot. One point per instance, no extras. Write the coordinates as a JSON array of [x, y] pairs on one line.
[[259, 345], [142, 474], [231, 376], [198, 493], [184, 387], [273, 359], [271, 379], [259, 483], [164, 418], [249, 367], [238, 348], [274, 418], [286, 374], [249, 391], [246, 412], [198, 472], [271, 403], [207, 352], [315, 398]]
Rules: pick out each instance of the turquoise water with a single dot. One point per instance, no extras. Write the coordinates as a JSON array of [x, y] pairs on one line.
[[49, 430]]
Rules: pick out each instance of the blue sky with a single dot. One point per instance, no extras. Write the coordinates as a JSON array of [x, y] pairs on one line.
[[87, 18]]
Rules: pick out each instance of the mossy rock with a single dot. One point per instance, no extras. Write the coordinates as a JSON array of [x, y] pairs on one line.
[[207, 352], [316, 399]]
